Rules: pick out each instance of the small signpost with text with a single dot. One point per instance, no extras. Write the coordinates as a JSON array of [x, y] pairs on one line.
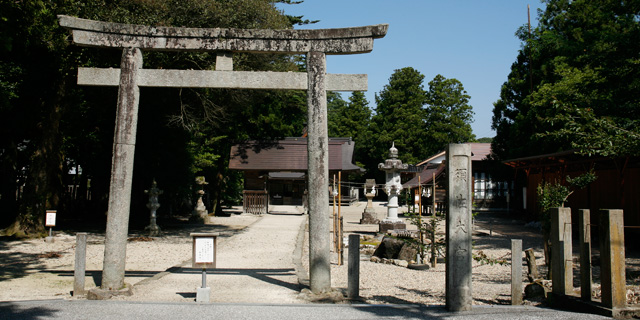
[[204, 255], [50, 221]]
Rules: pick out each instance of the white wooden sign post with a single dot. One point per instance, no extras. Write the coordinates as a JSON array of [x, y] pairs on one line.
[[50, 221], [204, 255]]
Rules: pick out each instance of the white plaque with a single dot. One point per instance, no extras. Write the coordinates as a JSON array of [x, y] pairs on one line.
[[204, 250], [50, 220]]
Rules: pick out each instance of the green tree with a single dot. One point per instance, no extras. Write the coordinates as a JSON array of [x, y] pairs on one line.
[[399, 117], [449, 114], [335, 111], [351, 119], [48, 123], [574, 83]]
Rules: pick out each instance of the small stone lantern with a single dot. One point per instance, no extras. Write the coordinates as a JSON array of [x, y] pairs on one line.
[[153, 206], [392, 166], [200, 213], [369, 214]]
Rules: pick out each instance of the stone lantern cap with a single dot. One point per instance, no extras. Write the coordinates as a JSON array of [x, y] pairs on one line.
[[393, 163]]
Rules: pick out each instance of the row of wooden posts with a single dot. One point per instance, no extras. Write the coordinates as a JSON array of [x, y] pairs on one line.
[[612, 255]]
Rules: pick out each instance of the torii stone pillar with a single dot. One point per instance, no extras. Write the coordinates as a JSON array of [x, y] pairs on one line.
[[133, 38], [459, 228], [318, 174], [124, 146]]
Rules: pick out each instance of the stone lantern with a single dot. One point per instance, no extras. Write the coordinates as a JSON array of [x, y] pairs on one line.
[[392, 167], [200, 213], [153, 206], [369, 214]]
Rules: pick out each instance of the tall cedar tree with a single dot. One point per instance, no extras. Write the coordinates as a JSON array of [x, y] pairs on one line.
[[449, 115], [350, 120], [399, 118], [574, 84]]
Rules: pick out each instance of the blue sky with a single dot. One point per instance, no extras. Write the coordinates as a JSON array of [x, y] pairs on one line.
[[473, 41]]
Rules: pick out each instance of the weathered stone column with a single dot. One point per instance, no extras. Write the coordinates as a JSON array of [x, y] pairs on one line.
[[318, 174], [561, 251], [612, 264], [459, 228], [516, 272], [80, 265], [584, 223], [124, 145]]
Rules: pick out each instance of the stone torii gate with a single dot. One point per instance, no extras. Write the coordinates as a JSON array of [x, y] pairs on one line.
[[316, 44]]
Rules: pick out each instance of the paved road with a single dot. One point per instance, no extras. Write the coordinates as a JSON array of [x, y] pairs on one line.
[[96, 310]]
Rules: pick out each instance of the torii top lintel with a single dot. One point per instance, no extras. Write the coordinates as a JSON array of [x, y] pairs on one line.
[[93, 33]]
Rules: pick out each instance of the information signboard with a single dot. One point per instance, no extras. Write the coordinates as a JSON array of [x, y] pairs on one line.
[[50, 220], [204, 250]]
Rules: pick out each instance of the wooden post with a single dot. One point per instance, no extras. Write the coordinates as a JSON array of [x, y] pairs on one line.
[[516, 271], [353, 269], [584, 223], [561, 255], [340, 226], [334, 217], [612, 263], [420, 222], [434, 250], [532, 265]]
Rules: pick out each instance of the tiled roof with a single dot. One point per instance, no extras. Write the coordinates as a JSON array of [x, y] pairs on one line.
[[479, 152], [425, 176], [289, 154]]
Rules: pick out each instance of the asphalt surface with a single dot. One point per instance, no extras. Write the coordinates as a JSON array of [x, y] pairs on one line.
[[86, 309]]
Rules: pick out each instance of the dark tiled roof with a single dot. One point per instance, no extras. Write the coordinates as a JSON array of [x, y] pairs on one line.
[[479, 151], [289, 154], [425, 176]]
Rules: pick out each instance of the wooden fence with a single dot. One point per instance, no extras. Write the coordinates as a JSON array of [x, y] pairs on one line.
[[254, 201]]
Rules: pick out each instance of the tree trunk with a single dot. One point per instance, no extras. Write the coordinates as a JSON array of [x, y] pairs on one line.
[[44, 177]]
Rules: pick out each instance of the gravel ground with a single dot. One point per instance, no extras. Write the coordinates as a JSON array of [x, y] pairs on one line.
[[257, 263], [382, 283]]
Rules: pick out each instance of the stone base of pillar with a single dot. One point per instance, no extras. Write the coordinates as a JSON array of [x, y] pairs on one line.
[[391, 225], [104, 294], [369, 217], [199, 216]]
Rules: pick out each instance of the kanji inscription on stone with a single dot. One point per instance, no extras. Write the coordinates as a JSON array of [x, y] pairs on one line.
[[459, 227]]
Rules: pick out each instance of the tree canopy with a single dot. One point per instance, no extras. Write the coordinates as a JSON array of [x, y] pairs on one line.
[[449, 115], [50, 125], [574, 84], [420, 122], [399, 117]]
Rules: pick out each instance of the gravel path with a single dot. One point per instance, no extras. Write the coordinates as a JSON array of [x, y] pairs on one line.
[[256, 263]]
